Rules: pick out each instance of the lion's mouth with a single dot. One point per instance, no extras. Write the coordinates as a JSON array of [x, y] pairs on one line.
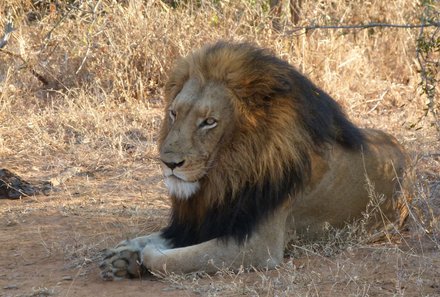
[[180, 188], [178, 176]]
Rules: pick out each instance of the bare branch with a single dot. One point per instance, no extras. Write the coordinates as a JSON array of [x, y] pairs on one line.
[[427, 44], [365, 26]]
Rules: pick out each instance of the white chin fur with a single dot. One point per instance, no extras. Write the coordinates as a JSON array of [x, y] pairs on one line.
[[180, 188]]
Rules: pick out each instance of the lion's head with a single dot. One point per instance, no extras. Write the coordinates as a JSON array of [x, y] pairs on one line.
[[239, 128], [199, 120]]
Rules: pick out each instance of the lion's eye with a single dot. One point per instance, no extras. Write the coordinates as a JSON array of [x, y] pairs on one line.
[[172, 115], [208, 123]]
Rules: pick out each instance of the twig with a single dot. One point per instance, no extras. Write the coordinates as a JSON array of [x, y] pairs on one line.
[[378, 101], [365, 26], [4, 40], [88, 38], [62, 18], [43, 242], [40, 77]]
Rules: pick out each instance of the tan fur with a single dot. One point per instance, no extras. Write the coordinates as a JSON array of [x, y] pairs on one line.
[[259, 130]]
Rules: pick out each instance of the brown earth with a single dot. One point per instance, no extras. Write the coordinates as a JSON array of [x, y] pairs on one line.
[[46, 253]]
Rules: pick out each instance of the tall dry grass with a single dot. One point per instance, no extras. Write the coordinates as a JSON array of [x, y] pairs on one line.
[[109, 55], [105, 63]]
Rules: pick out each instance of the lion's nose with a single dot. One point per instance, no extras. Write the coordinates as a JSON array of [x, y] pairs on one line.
[[173, 165]]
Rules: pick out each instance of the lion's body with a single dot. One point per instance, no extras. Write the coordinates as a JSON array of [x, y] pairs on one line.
[[349, 181], [252, 153]]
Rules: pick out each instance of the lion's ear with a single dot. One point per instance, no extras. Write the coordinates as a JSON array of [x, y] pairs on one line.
[[281, 86], [178, 76]]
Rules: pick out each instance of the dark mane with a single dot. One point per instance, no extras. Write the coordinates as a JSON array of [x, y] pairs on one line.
[[238, 217]]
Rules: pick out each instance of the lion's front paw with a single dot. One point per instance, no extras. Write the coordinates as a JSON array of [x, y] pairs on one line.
[[121, 262]]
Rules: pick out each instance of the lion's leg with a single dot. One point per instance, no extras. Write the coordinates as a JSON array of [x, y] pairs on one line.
[[264, 249], [124, 260], [211, 256]]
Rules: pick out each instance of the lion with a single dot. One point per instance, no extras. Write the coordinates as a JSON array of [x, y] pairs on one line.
[[254, 154]]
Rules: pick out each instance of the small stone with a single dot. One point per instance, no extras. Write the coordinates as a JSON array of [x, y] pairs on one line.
[[67, 278], [10, 287]]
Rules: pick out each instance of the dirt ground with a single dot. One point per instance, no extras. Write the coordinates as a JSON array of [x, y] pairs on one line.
[[51, 259], [32, 268]]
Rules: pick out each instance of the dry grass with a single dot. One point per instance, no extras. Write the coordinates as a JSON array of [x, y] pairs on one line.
[[106, 62]]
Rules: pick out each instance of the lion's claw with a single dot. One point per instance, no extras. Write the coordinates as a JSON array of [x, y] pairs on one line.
[[121, 262]]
